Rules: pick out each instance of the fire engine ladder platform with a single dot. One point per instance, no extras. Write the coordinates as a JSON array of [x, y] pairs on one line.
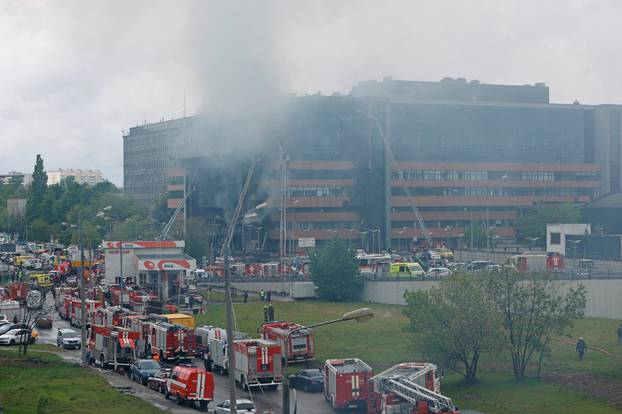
[[400, 380]]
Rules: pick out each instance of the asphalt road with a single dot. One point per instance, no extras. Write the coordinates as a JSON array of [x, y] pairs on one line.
[[311, 403]]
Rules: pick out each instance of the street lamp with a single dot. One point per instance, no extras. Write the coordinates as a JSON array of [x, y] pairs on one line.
[[359, 315], [81, 284], [533, 241]]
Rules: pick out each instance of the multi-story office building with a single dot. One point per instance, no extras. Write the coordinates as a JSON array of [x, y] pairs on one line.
[[398, 161], [89, 177]]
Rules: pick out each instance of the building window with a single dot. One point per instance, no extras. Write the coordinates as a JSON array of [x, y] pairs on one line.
[[555, 238]]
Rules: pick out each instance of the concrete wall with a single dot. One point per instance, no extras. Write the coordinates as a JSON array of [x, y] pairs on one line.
[[604, 297]]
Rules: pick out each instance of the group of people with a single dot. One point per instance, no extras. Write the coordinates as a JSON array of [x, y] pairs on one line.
[[265, 296]]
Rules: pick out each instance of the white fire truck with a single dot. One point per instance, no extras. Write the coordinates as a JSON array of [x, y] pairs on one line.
[[299, 344], [258, 363]]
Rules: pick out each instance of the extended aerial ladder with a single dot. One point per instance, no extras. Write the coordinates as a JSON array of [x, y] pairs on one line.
[[412, 381]]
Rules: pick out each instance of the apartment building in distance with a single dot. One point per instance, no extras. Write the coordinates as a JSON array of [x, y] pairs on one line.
[[25, 179], [89, 177]]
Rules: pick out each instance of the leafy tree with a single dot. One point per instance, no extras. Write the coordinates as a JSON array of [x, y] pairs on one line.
[[39, 231], [134, 228], [531, 222], [532, 311], [454, 323], [197, 238], [480, 235], [335, 273], [37, 190]]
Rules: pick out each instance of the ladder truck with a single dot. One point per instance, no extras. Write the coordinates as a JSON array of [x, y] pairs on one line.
[[409, 387]]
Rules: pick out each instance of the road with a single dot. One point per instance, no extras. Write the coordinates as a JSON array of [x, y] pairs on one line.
[[308, 403]]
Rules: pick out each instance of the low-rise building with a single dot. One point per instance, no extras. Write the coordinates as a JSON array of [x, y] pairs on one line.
[[556, 236], [156, 265]]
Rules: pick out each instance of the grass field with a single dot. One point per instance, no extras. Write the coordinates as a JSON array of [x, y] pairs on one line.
[[42, 383], [382, 342]]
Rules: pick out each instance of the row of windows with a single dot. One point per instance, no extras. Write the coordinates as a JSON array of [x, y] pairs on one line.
[[473, 175], [324, 225], [317, 192], [448, 225], [493, 192]]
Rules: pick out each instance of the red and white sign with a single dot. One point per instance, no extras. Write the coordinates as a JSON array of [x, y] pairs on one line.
[[153, 244], [167, 264]]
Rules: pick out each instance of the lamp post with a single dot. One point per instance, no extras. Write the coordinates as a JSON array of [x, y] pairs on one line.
[[359, 315], [533, 241], [81, 284]]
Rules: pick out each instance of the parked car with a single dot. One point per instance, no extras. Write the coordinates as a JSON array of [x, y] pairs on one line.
[[68, 339], [17, 336], [158, 381], [308, 380], [143, 369], [437, 272], [6, 328], [493, 268], [3, 319], [44, 323], [242, 406]]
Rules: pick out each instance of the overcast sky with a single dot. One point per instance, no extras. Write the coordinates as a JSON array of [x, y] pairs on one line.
[[74, 74]]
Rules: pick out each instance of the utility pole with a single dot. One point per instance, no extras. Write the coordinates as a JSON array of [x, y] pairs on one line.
[[82, 293], [230, 337]]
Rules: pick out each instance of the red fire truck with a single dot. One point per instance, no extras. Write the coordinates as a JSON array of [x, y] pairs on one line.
[[119, 296], [410, 387], [18, 291], [111, 345], [65, 309], [170, 341], [346, 383], [76, 311], [138, 300], [257, 363], [300, 344], [188, 383], [111, 316]]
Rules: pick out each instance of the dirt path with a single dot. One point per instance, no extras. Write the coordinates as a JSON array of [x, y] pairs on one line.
[[592, 385]]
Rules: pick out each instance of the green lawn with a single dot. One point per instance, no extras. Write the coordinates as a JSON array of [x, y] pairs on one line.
[[42, 383], [382, 342]]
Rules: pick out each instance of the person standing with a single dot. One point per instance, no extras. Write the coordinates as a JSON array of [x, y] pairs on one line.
[[620, 333], [270, 313], [207, 361], [581, 348], [262, 295], [245, 296], [265, 313], [269, 296]]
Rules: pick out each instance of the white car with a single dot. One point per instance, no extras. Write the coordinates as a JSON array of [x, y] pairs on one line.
[[438, 272], [16, 336], [242, 406], [68, 338]]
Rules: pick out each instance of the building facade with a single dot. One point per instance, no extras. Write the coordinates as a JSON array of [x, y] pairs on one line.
[[11, 176], [397, 162], [89, 177]]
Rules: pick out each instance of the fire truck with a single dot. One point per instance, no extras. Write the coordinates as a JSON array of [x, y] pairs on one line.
[[18, 291], [111, 345], [188, 383], [257, 363], [76, 311], [138, 300], [65, 309], [142, 325], [59, 295], [111, 316], [346, 383], [410, 388], [170, 341], [119, 296], [299, 345]]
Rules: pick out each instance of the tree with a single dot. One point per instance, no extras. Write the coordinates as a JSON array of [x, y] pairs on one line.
[[39, 230], [335, 273], [37, 190], [532, 311], [531, 222], [454, 323], [197, 238], [134, 228], [480, 235]]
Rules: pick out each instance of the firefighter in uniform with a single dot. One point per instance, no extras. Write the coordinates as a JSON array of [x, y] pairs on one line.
[[265, 313], [270, 313]]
